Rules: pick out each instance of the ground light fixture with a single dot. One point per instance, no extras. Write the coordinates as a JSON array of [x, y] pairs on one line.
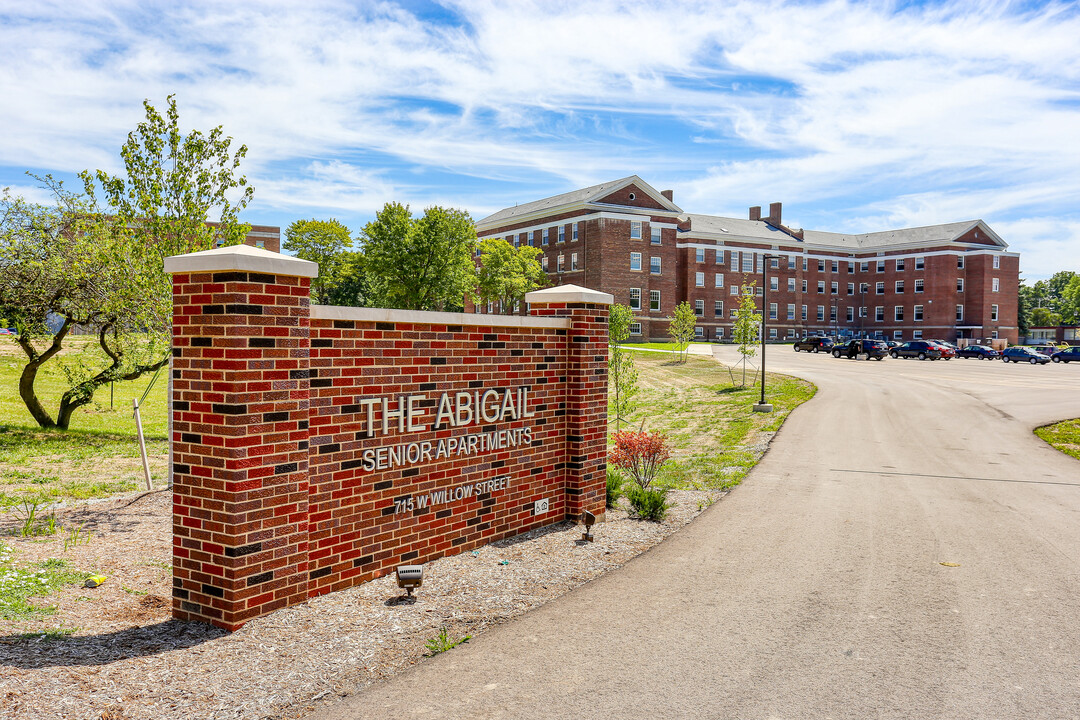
[[588, 520], [410, 577], [763, 406]]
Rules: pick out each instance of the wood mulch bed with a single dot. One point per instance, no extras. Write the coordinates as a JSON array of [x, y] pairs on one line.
[[128, 659]]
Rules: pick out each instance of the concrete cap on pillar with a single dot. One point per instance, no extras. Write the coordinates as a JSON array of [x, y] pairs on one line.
[[569, 294], [243, 258]]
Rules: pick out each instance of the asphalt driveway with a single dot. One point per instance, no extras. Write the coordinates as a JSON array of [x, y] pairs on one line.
[[817, 589]]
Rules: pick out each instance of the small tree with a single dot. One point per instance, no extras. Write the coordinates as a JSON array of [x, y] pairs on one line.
[[325, 242], [506, 273], [641, 454], [745, 331], [423, 263], [681, 327], [621, 368]]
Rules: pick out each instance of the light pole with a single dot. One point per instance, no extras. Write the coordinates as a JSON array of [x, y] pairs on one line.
[[765, 258]]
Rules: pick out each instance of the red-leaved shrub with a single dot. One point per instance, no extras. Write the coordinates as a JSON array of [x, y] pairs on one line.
[[640, 453]]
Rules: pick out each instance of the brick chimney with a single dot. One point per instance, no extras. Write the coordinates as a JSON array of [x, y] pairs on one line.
[[755, 212], [669, 194], [774, 214]]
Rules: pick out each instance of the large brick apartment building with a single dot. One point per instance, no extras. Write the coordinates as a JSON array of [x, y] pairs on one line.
[[624, 237]]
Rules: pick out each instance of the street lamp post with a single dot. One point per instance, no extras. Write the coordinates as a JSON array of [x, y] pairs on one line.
[[763, 406]]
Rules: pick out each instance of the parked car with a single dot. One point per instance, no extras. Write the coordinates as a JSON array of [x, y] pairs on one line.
[[948, 351], [875, 349], [979, 352], [893, 343], [1021, 353], [8, 331], [814, 344], [1047, 350], [1067, 355], [917, 349]]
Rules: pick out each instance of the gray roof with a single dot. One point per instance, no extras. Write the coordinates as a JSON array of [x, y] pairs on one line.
[[755, 229], [575, 196]]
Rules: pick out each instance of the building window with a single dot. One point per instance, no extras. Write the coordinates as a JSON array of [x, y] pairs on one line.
[[719, 333], [732, 312], [959, 262], [791, 284], [774, 283], [900, 286], [862, 312], [898, 313], [699, 279], [559, 264], [635, 230], [260, 244], [997, 262], [790, 262], [544, 264], [772, 311], [920, 285], [916, 335], [512, 240], [573, 261], [654, 265], [805, 264], [719, 257], [734, 289], [850, 314], [850, 268], [920, 263], [573, 238], [897, 335], [881, 266], [718, 280], [821, 287], [834, 288], [635, 328], [879, 313], [760, 292], [544, 237], [654, 235], [851, 288], [635, 261], [718, 308], [993, 334], [832, 313], [774, 263], [791, 311], [900, 264], [959, 284], [562, 233], [864, 266], [699, 332], [995, 285], [804, 286], [635, 298], [804, 312], [836, 266], [791, 332], [772, 333], [734, 260], [959, 313], [699, 308], [699, 255], [821, 266], [654, 300], [880, 288], [994, 313], [917, 313], [821, 313], [747, 262]]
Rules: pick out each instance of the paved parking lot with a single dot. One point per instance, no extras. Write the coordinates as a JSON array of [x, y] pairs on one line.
[[817, 589]]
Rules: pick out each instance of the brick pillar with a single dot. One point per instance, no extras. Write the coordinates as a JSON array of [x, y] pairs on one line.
[[586, 391], [240, 433]]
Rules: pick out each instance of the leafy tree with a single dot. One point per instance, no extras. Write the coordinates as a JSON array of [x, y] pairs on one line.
[[1044, 317], [1070, 301], [681, 327], [325, 242], [746, 327], [423, 263], [621, 368], [506, 273], [351, 286], [68, 266]]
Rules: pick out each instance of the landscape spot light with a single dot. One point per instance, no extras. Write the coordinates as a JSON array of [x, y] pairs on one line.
[[410, 577], [588, 520]]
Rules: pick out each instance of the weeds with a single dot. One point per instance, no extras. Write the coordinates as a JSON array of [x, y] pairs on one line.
[[19, 584], [32, 523], [443, 642], [74, 536], [614, 487]]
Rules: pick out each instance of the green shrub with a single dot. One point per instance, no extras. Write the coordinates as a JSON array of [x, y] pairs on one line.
[[614, 487], [647, 504]]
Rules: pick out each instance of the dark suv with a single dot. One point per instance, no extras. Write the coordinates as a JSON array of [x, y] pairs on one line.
[[814, 344], [917, 348], [876, 349]]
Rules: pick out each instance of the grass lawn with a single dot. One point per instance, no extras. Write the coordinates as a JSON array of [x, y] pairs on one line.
[[98, 456], [670, 347], [1065, 436], [716, 436]]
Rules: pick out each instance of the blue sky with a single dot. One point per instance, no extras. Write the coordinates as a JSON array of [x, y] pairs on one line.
[[858, 116]]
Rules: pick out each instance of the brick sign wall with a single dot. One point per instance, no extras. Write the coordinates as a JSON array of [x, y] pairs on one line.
[[317, 448]]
